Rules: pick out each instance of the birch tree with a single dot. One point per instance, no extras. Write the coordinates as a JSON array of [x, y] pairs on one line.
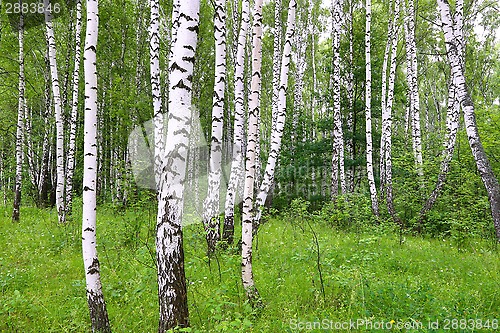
[[239, 123], [412, 73], [452, 116], [350, 96], [338, 135], [277, 133], [387, 117], [253, 127], [20, 125], [154, 62], [95, 297], [457, 69], [70, 163], [276, 59], [51, 42], [172, 291], [368, 110], [212, 202], [300, 42]]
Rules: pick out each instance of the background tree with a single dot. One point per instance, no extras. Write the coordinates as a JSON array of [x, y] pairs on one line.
[[56, 93], [95, 297], [253, 127], [20, 125], [212, 202]]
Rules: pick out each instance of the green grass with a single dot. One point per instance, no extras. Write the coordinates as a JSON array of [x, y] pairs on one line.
[[367, 275]]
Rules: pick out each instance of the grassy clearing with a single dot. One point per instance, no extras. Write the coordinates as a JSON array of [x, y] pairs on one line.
[[374, 275]]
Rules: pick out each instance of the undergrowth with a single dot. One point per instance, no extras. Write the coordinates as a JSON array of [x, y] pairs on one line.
[[367, 272]]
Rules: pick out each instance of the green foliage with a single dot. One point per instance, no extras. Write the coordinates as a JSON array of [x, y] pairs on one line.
[[367, 274]]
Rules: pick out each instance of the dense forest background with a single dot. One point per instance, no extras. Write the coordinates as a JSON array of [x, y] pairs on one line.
[[305, 161], [331, 170]]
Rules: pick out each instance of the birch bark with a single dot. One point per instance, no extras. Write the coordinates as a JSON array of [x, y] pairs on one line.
[[412, 73], [452, 117], [239, 123], [368, 110], [457, 69], [350, 98], [253, 128], [276, 59], [338, 136], [61, 212], [212, 201], [70, 163], [387, 115], [277, 134], [95, 298], [172, 291], [154, 63], [20, 125]]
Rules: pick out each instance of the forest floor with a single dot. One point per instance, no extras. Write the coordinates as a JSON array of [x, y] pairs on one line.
[[370, 278]]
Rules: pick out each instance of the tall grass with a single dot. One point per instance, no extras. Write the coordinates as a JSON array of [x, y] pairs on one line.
[[369, 274]]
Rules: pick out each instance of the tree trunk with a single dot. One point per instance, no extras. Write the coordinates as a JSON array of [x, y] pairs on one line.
[[277, 134], [20, 125], [387, 120], [253, 128], [70, 164], [385, 115], [412, 76], [61, 212], [212, 202], [172, 291], [350, 100], [457, 70], [452, 118], [276, 60], [338, 136], [239, 123], [368, 110], [95, 297], [154, 53]]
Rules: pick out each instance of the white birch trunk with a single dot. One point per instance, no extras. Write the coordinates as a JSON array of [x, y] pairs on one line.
[[300, 43], [154, 62], [452, 118], [387, 119], [70, 163], [276, 60], [239, 123], [338, 136], [277, 134], [20, 125], [212, 201], [412, 73], [95, 297], [61, 212], [455, 48], [368, 110], [253, 128], [172, 291], [350, 99], [385, 115]]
